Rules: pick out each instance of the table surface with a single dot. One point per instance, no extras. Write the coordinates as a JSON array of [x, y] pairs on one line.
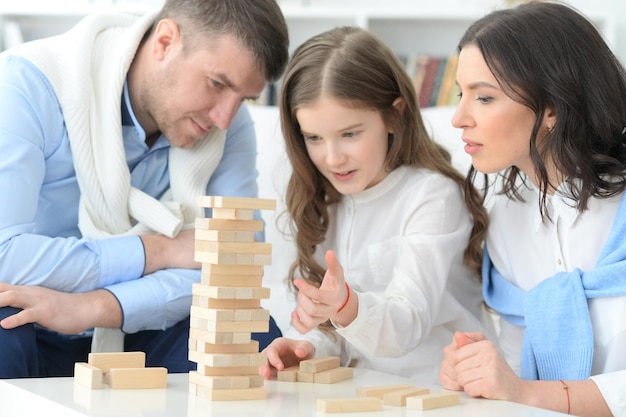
[[52, 397]]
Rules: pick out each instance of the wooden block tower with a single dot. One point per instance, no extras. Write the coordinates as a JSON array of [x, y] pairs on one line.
[[226, 305]]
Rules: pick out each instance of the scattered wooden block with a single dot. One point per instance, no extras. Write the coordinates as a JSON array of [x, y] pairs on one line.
[[349, 405], [236, 202], [436, 400], [379, 391], [319, 364], [233, 213], [305, 376], [288, 374], [207, 223], [333, 375], [137, 378], [398, 398], [87, 375], [106, 361]]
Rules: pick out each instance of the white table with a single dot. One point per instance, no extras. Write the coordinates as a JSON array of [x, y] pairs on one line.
[[52, 397]]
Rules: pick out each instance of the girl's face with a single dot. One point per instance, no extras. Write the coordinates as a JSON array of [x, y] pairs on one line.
[[496, 129], [348, 146]]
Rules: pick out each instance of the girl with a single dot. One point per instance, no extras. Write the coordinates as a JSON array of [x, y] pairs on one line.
[[544, 103], [388, 250]]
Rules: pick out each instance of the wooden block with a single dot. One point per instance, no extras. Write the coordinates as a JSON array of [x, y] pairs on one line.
[[319, 364], [250, 270], [138, 378], [226, 382], [232, 326], [241, 293], [106, 361], [224, 235], [227, 370], [436, 400], [253, 248], [379, 391], [231, 280], [288, 374], [206, 223], [219, 338], [305, 376], [87, 375], [258, 393], [228, 359], [225, 303], [206, 347], [398, 398], [233, 213], [333, 375], [237, 202], [232, 258], [212, 313], [349, 405]]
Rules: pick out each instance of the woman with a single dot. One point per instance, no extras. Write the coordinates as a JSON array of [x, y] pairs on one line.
[[544, 105]]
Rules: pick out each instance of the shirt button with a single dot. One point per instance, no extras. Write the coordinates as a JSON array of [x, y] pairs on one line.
[[559, 262]]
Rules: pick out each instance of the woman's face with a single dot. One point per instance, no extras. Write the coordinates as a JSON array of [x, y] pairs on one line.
[[496, 129]]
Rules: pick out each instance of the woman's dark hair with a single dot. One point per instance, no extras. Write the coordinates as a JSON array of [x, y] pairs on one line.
[[546, 55]]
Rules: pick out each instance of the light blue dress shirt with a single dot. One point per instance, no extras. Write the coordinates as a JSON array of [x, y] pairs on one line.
[[40, 243]]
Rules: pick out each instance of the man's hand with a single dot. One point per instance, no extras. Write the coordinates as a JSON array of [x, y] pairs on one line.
[[163, 252], [59, 311]]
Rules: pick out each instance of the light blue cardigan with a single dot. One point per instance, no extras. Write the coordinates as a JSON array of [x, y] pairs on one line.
[[558, 341]]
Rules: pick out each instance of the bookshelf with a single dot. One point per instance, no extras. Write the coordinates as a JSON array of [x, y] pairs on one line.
[[411, 28]]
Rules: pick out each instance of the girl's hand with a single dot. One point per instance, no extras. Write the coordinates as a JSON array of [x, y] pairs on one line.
[[283, 353], [317, 305]]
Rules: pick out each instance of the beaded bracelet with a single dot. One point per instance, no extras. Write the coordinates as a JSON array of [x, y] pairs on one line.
[[566, 388], [347, 299]]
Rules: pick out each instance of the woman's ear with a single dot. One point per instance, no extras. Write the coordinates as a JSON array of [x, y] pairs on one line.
[[549, 118]]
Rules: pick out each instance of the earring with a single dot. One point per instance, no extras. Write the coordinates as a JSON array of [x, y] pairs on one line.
[[550, 129]]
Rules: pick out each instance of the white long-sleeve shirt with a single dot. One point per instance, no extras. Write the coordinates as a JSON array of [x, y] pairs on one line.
[[401, 245], [526, 251]]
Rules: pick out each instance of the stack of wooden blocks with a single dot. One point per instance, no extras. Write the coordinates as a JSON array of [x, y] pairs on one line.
[[226, 305], [120, 370], [323, 370]]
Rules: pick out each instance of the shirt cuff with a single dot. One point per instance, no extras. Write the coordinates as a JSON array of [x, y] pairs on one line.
[[143, 305], [613, 390], [121, 259]]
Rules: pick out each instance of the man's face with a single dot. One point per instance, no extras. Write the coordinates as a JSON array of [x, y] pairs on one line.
[[194, 92]]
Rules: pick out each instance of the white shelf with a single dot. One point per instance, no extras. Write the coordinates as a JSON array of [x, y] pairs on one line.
[[406, 26]]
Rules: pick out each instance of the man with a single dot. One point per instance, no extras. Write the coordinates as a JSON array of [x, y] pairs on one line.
[[108, 134]]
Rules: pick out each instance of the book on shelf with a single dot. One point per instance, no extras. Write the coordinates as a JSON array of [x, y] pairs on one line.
[[433, 78]]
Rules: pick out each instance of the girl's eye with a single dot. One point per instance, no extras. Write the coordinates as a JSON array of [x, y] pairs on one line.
[[349, 134], [311, 138], [484, 99], [217, 84]]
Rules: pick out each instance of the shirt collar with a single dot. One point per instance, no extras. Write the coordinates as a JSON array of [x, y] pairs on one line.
[[558, 206]]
